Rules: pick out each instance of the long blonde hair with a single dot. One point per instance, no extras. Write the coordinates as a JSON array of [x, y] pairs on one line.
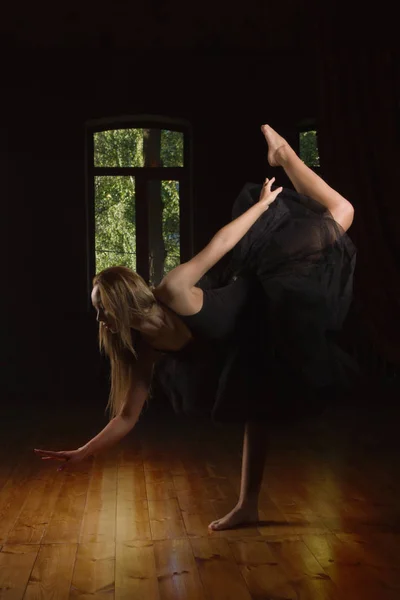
[[124, 295]]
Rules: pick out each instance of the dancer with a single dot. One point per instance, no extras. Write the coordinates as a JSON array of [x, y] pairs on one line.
[[258, 348]]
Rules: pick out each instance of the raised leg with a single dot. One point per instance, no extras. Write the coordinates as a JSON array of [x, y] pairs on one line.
[[304, 180], [253, 461]]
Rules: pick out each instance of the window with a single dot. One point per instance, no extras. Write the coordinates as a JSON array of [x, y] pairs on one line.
[[308, 143], [139, 204]]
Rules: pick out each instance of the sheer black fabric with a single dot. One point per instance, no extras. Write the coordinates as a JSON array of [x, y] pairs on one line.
[[264, 344]]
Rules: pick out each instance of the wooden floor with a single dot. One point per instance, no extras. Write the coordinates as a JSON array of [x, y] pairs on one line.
[[132, 523]]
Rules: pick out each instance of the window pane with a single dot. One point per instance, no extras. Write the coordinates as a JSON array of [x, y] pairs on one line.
[[164, 240], [126, 148], [171, 148], [115, 230], [309, 148], [119, 148]]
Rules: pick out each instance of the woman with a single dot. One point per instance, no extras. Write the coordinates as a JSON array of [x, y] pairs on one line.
[[260, 347]]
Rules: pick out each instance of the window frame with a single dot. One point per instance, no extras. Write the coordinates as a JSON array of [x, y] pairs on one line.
[[142, 176]]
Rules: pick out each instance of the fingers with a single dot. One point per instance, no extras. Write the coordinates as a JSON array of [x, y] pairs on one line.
[[50, 455], [64, 456], [267, 188], [268, 182], [275, 193], [268, 196]]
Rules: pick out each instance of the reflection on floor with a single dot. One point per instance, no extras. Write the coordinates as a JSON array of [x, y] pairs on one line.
[[132, 522]]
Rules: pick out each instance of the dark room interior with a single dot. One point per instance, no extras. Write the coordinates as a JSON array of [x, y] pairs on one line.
[[132, 521]]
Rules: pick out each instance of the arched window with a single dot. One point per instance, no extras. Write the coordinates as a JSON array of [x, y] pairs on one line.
[[139, 194]]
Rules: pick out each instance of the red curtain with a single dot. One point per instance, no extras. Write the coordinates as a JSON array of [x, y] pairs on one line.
[[359, 142]]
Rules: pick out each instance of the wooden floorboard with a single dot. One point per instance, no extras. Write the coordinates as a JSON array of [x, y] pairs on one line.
[[132, 522]]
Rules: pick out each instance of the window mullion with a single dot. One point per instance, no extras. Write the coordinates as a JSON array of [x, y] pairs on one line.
[[150, 172]]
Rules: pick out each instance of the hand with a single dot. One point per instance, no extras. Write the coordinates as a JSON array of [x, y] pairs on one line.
[[68, 456], [267, 196]]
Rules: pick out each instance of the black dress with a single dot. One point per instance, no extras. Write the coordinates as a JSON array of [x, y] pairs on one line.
[[264, 342]]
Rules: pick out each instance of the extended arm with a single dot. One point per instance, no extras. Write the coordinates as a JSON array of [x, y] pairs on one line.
[[120, 425], [112, 433], [188, 274], [137, 394]]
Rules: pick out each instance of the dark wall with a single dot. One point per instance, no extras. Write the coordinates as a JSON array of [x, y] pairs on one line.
[[49, 342]]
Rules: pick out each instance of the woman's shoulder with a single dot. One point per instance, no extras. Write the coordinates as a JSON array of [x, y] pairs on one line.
[[183, 302]]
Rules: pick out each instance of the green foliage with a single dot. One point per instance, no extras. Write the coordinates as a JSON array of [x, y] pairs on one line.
[[171, 148], [115, 222], [115, 227], [309, 148], [119, 148]]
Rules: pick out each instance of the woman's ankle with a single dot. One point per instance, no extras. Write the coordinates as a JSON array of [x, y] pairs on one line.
[[249, 502], [287, 156]]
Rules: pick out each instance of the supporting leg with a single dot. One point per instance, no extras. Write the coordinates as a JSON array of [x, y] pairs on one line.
[[253, 461], [304, 180]]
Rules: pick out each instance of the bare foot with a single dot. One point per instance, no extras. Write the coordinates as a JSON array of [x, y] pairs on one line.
[[238, 516], [278, 147]]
